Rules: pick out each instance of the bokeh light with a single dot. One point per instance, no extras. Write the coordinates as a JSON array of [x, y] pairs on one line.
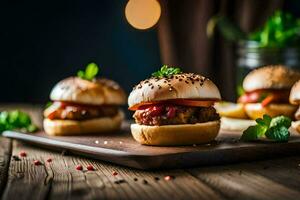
[[142, 14]]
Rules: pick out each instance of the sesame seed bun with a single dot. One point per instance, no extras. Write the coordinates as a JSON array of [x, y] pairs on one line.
[[271, 77], [295, 93], [73, 127], [170, 135], [180, 86], [96, 92], [256, 110]]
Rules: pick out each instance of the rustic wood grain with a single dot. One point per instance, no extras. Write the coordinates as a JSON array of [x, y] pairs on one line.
[[121, 148], [5, 153], [59, 179], [271, 179]]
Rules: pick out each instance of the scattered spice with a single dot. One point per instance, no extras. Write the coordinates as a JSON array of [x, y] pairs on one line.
[[22, 154], [49, 160], [90, 168], [16, 158], [145, 182], [79, 167], [156, 178], [135, 179], [168, 178], [64, 152], [37, 162], [119, 181], [115, 173]]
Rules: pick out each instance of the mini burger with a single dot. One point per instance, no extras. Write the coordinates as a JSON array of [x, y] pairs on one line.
[[84, 105], [267, 91], [174, 108], [295, 99]]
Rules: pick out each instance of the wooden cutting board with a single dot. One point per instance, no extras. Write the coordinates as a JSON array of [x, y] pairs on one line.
[[120, 148]]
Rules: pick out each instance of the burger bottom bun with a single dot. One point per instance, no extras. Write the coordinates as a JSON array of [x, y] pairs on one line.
[[171, 135], [296, 125], [233, 124], [255, 110], [73, 127]]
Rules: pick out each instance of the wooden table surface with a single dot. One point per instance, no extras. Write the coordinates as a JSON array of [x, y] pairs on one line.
[[21, 179]]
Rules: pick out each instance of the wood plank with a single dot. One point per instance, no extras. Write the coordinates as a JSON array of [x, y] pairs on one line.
[[25, 180], [256, 180], [121, 148], [60, 180], [5, 153]]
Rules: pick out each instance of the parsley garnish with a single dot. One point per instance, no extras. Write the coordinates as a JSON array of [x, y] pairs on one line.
[[166, 71], [11, 120], [272, 128], [90, 72]]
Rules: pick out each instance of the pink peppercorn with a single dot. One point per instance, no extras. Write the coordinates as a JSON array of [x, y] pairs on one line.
[[37, 162], [115, 173], [79, 167], [49, 160], [167, 178], [23, 154], [90, 168]]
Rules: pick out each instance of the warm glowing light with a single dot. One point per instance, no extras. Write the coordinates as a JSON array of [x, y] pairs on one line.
[[142, 14]]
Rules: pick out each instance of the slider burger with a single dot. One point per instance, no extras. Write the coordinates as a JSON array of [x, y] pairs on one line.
[[295, 99], [174, 108], [84, 105], [267, 91]]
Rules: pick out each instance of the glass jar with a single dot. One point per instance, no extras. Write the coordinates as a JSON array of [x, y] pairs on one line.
[[251, 56]]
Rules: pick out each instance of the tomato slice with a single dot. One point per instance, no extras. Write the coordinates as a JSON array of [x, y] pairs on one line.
[[268, 100], [183, 102]]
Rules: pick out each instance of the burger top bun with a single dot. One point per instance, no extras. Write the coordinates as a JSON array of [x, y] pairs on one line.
[[295, 93], [179, 86], [97, 92], [270, 77]]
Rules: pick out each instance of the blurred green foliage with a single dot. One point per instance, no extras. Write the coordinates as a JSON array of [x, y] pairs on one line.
[[280, 30], [11, 120]]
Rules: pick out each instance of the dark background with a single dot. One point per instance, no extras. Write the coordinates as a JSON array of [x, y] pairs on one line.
[[42, 42]]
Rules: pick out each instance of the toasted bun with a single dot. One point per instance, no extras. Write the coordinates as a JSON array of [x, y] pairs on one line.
[[72, 127], [180, 86], [255, 110], [270, 77], [170, 135], [232, 124], [296, 126], [295, 93], [96, 92]]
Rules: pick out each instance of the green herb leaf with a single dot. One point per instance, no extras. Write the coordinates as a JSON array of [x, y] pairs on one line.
[[278, 133], [16, 119], [281, 121], [253, 133], [166, 71], [90, 72], [275, 129], [265, 121]]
